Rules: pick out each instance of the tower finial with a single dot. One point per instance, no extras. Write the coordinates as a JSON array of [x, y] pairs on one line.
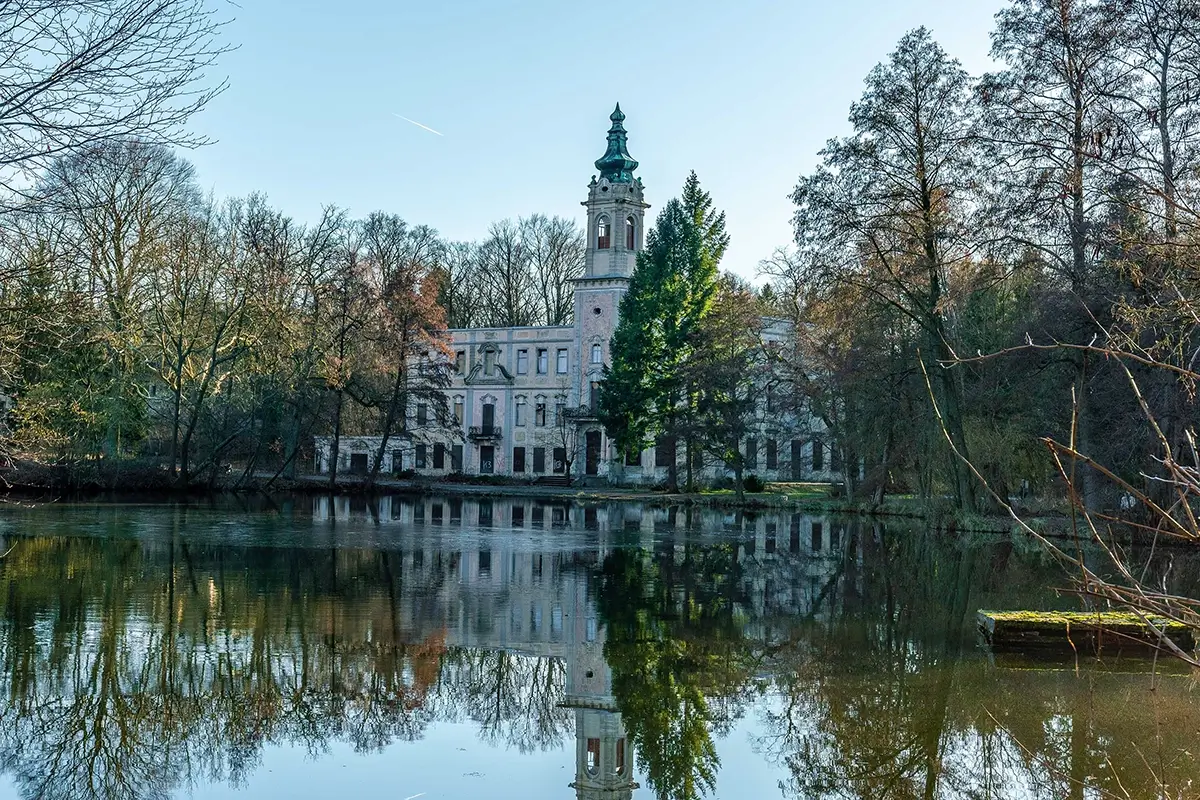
[[616, 164]]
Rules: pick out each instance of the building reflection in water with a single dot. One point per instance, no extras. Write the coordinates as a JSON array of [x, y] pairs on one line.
[[147, 652], [551, 598]]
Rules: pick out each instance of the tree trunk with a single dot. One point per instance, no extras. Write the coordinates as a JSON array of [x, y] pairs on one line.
[[952, 418], [397, 403], [738, 476], [335, 446]]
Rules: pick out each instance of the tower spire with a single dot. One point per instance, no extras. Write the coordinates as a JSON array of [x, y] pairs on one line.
[[616, 164]]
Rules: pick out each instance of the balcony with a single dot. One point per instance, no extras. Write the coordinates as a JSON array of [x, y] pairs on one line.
[[483, 433], [581, 413]]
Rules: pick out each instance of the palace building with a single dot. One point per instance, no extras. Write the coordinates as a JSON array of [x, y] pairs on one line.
[[524, 399]]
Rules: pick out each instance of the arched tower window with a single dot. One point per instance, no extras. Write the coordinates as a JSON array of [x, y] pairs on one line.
[[593, 756], [630, 237], [597, 354], [603, 235]]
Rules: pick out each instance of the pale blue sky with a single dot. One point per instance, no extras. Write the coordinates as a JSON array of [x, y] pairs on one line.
[[745, 92]]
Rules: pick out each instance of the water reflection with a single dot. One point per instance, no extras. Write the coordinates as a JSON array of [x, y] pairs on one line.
[[152, 651]]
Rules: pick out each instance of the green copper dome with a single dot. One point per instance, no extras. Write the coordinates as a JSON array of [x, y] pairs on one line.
[[616, 163]]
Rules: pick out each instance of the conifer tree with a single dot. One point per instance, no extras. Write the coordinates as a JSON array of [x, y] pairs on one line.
[[645, 390]]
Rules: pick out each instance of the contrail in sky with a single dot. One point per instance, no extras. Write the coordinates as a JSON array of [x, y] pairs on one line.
[[419, 125]]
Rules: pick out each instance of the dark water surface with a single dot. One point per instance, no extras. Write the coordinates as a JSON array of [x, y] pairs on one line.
[[507, 648]]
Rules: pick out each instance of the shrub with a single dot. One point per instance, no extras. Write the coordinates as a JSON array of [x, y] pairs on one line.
[[754, 484]]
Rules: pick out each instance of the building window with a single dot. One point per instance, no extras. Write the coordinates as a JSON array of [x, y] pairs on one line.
[[561, 363], [458, 410], [439, 456], [560, 408], [597, 354], [518, 459], [489, 361], [593, 756], [522, 362], [633, 457], [543, 361], [772, 454], [751, 453], [818, 456], [519, 412], [397, 460], [619, 767], [835, 458], [539, 415], [420, 461], [539, 465], [456, 457], [594, 395], [460, 362], [560, 460], [603, 235], [630, 237], [422, 414]]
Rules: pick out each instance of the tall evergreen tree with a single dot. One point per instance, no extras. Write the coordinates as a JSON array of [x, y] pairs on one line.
[[645, 390]]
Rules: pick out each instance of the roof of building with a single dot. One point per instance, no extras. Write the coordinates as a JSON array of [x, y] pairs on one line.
[[616, 164]]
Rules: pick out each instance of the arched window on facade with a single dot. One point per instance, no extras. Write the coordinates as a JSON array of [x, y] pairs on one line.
[[603, 235], [597, 354], [630, 234]]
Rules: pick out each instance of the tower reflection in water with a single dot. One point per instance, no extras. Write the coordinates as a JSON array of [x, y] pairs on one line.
[[548, 564], [155, 651]]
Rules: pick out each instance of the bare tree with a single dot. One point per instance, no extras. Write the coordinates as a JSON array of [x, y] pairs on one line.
[[412, 359], [295, 300], [459, 289], [507, 280], [555, 247], [120, 203], [1154, 130], [80, 73], [884, 215]]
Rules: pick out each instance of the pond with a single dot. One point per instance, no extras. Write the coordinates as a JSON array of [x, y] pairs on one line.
[[442, 647]]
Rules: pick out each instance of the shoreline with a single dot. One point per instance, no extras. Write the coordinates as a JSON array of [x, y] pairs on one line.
[[808, 498]]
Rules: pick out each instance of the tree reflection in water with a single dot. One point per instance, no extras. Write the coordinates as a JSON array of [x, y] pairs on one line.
[[151, 659]]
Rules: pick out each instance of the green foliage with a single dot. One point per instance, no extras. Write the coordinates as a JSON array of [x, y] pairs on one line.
[[755, 484], [670, 293], [667, 651]]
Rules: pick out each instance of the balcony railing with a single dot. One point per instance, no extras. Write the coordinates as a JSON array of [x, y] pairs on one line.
[[580, 412], [477, 432]]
